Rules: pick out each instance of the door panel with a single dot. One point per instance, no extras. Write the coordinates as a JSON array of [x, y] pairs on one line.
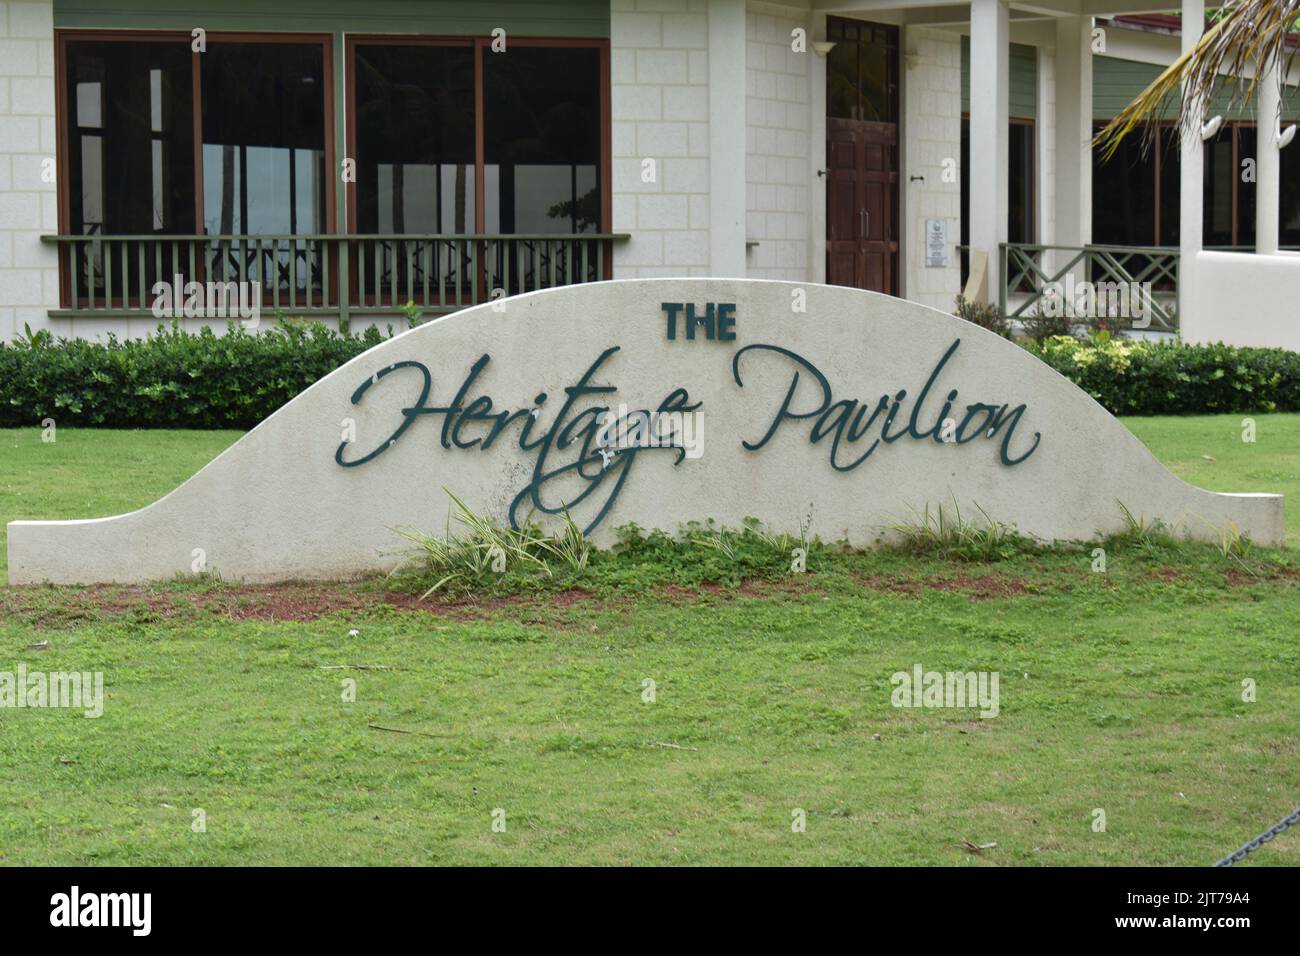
[[861, 200], [842, 245]]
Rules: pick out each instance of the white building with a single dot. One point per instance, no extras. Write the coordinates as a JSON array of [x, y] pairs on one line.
[[352, 158]]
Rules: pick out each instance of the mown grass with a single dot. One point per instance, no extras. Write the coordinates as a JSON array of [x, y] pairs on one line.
[[1119, 690]]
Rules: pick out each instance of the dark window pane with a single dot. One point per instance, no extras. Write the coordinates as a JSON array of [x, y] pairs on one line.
[[1020, 208], [1170, 189], [842, 97], [131, 137], [264, 138], [1289, 214], [541, 140], [1245, 190], [860, 72], [1124, 195], [415, 139], [1219, 174]]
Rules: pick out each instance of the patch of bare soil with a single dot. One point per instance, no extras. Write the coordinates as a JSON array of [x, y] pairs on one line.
[[62, 608], [751, 587], [1247, 573]]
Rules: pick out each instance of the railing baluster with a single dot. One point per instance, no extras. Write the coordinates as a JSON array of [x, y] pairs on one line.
[[459, 274], [126, 274], [107, 257], [323, 257], [176, 265], [473, 271], [345, 283], [293, 272], [139, 275], [424, 274], [74, 257], [259, 270], [410, 273]]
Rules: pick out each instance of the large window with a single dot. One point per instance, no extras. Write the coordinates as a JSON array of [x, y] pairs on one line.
[[263, 138], [129, 124], [1125, 210], [541, 140], [146, 152], [420, 108], [414, 135]]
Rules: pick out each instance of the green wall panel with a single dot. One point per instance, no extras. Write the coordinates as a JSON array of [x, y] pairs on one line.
[[1022, 66], [1116, 82], [553, 18]]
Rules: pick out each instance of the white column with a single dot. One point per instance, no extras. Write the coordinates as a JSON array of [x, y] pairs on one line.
[[989, 88], [1191, 159], [1268, 166], [727, 138], [1073, 131]]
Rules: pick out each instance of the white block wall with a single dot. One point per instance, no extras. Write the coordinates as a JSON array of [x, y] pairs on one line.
[[931, 135], [659, 72], [778, 140], [29, 275]]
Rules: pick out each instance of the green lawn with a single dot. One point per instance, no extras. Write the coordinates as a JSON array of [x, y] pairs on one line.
[[1119, 691]]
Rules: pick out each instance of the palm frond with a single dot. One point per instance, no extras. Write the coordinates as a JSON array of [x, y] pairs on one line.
[[1246, 35]]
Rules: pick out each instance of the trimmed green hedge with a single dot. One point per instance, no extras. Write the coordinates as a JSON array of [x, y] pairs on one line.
[[201, 380], [1172, 378], [173, 379]]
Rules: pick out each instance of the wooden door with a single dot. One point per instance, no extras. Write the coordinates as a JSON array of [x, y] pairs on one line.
[[862, 204]]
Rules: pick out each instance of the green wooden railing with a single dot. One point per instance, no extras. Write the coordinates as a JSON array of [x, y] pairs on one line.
[[1021, 272], [327, 275], [1023, 278]]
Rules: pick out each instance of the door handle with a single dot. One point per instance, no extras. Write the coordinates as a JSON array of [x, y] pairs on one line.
[[864, 222]]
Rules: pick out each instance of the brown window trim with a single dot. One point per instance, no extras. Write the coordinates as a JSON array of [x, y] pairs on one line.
[[63, 37], [352, 41], [1163, 126]]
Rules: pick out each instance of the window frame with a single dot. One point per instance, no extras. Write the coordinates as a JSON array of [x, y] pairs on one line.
[[1159, 148], [478, 45], [62, 103]]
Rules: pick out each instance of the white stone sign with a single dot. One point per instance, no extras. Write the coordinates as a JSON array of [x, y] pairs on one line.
[[655, 401]]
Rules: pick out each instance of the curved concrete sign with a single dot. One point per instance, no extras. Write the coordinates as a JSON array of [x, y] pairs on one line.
[[656, 402]]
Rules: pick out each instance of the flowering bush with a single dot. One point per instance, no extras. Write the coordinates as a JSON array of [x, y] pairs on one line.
[[1172, 378]]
